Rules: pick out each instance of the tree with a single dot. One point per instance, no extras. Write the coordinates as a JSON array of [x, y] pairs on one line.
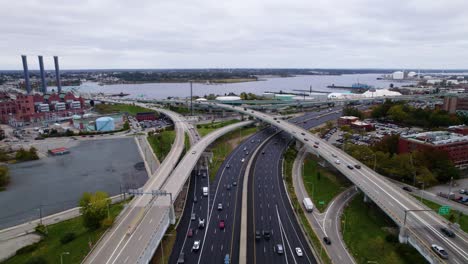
[[388, 144], [352, 111], [397, 114], [126, 125], [94, 209], [4, 176]]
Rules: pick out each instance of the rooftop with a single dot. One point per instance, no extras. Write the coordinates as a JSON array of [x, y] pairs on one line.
[[349, 117], [437, 137]]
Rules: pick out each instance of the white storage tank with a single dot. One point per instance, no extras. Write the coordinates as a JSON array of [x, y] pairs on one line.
[[398, 75], [105, 123]]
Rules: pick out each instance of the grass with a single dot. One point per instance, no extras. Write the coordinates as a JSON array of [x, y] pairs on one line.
[[50, 247], [225, 145], [370, 235], [162, 143], [203, 130], [321, 184], [289, 157], [120, 108], [452, 217]]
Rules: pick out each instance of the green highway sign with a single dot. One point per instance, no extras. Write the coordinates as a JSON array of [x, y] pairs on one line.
[[322, 202], [444, 210]]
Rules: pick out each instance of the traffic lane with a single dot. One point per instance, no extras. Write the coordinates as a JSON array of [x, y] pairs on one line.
[[232, 174]]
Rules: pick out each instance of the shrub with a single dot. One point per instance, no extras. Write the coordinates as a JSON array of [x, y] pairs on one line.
[[391, 238], [67, 238], [41, 229], [36, 260], [106, 223], [27, 249]]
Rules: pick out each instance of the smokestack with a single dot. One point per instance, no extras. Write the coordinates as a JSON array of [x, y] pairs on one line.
[[57, 74], [26, 74], [43, 80]]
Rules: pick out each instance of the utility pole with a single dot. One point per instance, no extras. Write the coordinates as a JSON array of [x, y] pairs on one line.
[[450, 188]]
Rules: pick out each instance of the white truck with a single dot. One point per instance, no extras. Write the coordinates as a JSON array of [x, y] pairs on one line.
[[308, 205], [205, 191]]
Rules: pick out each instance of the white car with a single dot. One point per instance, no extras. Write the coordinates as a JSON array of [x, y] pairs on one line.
[[299, 252], [196, 245], [242, 160], [337, 162], [193, 152]]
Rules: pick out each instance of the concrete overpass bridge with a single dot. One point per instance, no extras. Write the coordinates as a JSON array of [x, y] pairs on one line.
[[418, 225]]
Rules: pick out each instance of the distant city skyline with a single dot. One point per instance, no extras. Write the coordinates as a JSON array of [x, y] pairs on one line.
[[104, 34]]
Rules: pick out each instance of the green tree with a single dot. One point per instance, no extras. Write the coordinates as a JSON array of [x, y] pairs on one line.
[[397, 114], [94, 209], [388, 144], [4, 176], [126, 125]]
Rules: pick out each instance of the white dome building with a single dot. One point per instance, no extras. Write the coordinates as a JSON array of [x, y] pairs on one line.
[[228, 98], [380, 93]]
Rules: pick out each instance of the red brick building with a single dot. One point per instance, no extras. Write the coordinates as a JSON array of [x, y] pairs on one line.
[[347, 120], [360, 125], [25, 108], [453, 104], [455, 145], [145, 116]]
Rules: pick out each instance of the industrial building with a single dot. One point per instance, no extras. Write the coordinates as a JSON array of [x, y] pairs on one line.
[[456, 145], [454, 104]]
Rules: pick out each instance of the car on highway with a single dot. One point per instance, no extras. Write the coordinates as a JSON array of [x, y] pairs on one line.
[[337, 161], [316, 143], [252, 141], [303, 134], [228, 186], [201, 223], [196, 245], [263, 152], [234, 183], [220, 206], [315, 146], [258, 235], [246, 153], [327, 240], [357, 166], [299, 252], [221, 224], [228, 166], [193, 152], [190, 232], [334, 155], [279, 249], [266, 234], [350, 167], [305, 139], [447, 232], [406, 188], [242, 160], [181, 258], [195, 200], [193, 217], [440, 251]]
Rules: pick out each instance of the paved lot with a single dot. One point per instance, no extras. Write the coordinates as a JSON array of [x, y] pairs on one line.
[[57, 183]]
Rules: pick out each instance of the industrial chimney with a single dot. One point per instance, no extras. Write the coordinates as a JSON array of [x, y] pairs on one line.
[[43, 80], [57, 74], [26, 74]]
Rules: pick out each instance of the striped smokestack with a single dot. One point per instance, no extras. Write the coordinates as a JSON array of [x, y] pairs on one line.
[[26, 74]]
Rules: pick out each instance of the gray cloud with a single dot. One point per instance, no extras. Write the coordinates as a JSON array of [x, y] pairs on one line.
[[241, 33]]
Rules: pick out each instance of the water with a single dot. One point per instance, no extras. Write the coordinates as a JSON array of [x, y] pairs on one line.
[[164, 90]]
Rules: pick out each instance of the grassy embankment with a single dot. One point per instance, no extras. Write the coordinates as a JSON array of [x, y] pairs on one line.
[[50, 248], [205, 129], [161, 143], [454, 215], [289, 157], [120, 108], [225, 145], [371, 236], [321, 184]]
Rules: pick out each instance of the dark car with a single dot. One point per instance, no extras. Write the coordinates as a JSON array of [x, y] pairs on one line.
[[305, 139], [350, 167], [258, 235], [357, 166], [266, 234], [406, 188], [447, 232], [327, 240], [315, 146]]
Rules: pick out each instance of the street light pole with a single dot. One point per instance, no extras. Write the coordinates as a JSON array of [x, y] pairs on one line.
[[450, 188], [61, 256]]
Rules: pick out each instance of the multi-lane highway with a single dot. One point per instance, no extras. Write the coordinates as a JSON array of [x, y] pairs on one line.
[[423, 227], [217, 242]]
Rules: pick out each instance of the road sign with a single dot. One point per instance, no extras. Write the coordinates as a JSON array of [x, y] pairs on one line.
[[444, 210], [321, 202]]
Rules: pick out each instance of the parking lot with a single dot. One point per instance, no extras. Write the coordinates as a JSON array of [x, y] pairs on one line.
[[54, 184]]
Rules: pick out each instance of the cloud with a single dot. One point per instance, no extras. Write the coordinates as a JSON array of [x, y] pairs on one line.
[[241, 33]]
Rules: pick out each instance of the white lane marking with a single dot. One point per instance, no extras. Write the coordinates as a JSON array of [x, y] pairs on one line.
[[140, 237]]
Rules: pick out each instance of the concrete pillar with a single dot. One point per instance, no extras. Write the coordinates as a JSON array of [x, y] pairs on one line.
[[172, 215], [402, 235], [223, 114], [366, 199], [298, 145]]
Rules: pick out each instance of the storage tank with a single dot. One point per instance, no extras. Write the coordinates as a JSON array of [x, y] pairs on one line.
[[105, 123], [398, 75]]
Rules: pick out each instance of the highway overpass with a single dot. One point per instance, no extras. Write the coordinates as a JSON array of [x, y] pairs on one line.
[[420, 228]]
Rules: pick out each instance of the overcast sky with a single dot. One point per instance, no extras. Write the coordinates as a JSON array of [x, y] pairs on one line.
[[235, 34]]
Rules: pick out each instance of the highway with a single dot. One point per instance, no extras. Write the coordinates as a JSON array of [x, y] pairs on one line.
[[423, 227], [216, 242], [129, 240]]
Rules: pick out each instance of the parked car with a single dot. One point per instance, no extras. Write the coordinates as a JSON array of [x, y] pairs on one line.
[[440, 251], [447, 232], [327, 240], [462, 191]]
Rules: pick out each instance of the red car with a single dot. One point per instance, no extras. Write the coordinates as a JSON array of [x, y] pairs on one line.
[[221, 224], [190, 233]]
